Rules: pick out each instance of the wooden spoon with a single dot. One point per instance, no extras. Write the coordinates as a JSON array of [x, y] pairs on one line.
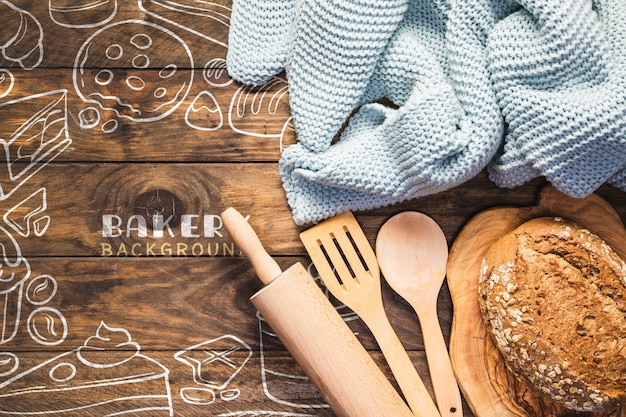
[[412, 253]]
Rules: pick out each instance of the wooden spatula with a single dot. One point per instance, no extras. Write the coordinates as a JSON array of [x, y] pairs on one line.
[[347, 264]]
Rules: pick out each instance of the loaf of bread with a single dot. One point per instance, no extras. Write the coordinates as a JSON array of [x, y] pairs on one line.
[[553, 297]]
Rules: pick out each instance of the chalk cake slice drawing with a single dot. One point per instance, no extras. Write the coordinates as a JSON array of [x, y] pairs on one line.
[[214, 365], [106, 376], [82, 14], [14, 271], [204, 113], [140, 95], [21, 38], [7, 81], [251, 106], [24, 219], [27, 146], [213, 22]]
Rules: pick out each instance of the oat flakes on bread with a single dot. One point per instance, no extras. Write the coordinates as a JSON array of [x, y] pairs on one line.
[[553, 297]]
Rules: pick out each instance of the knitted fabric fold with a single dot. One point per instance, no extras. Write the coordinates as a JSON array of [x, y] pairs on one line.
[[457, 72], [558, 70]]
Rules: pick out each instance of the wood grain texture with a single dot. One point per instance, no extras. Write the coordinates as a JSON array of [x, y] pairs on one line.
[[121, 109], [489, 387]]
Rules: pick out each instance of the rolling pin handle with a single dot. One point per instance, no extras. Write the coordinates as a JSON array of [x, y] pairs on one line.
[[247, 240]]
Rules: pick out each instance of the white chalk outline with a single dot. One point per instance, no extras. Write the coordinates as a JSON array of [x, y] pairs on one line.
[[94, 4], [220, 15], [196, 110], [23, 228], [39, 159], [10, 77], [20, 34], [178, 99]]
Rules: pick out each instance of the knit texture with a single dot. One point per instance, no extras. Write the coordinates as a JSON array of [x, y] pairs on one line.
[[457, 72]]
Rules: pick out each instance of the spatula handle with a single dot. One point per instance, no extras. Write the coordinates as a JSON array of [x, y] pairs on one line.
[[247, 240]]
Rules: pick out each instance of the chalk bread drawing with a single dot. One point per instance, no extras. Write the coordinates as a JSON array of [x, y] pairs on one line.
[[106, 376], [140, 96], [21, 38], [7, 81], [82, 14], [212, 19], [29, 145], [251, 105], [213, 368]]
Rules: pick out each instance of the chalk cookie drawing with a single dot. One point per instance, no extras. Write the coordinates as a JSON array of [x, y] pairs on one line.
[[214, 365], [251, 104], [82, 14], [27, 146], [21, 38], [140, 96], [211, 20], [122, 381]]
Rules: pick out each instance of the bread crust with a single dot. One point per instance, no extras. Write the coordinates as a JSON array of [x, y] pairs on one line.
[[553, 297]]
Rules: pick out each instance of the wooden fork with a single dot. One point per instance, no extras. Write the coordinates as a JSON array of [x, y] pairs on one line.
[[347, 264]]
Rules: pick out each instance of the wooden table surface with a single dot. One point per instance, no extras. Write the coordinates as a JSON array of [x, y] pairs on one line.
[[114, 112]]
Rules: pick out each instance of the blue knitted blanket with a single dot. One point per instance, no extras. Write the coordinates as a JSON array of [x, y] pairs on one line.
[[525, 88]]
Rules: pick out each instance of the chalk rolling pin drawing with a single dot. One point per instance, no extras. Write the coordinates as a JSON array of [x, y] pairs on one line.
[[315, 334]]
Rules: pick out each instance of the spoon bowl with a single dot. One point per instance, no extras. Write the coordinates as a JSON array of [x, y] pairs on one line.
[[412, 253]]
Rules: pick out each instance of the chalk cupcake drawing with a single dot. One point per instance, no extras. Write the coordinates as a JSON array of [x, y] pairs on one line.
[[140, 96], [21, 38]]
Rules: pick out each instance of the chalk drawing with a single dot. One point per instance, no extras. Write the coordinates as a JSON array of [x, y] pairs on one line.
[[140, 96], [213, 368], [204, 113], [209, 14], [41, 290], [108, 375], [262, 414], [31, 221], [9, 363], [90, 13], [47, 326], [7, 81], [21, 39], [250, 103], [276, 377], [216, 74], [27, 146], [14, 271]]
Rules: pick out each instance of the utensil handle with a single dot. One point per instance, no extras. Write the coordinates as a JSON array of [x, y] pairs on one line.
[[402, 367], [442, 376], [247, 240]]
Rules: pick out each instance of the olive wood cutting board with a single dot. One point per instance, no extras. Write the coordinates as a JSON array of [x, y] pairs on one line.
[[489, 388]]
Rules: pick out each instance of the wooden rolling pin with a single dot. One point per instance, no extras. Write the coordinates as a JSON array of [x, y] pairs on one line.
[[315, 334]]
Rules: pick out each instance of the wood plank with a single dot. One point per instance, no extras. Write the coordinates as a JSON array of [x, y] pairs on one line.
[[163, 313], [176, 116], [197, 29], [165, 303]]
